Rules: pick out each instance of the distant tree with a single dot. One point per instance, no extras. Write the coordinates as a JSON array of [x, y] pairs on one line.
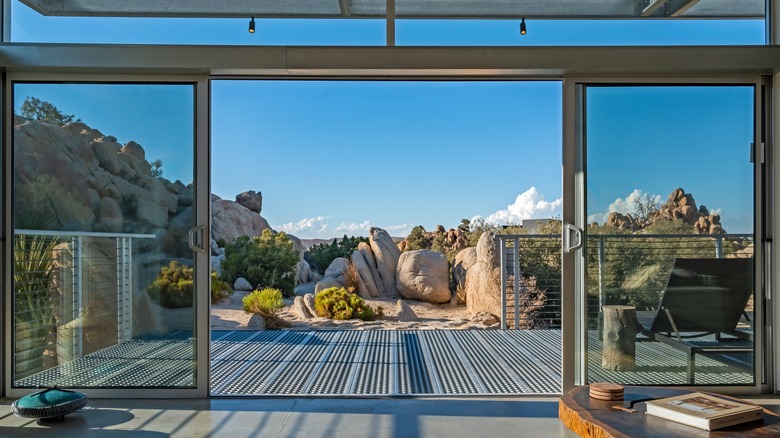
[[645, 207], [157, 168], [465, 226], [321, 256], [417, 239], [36, 109]]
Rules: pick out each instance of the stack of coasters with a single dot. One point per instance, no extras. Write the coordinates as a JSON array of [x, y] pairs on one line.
[[606, 391], [49, 403]]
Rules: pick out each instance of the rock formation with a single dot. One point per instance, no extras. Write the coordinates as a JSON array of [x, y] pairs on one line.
[[365, 273], [483, 279], [230, 220], [678, 206], [379, 269], [251, 200], [464, 260], [386, 254], [424, 275]]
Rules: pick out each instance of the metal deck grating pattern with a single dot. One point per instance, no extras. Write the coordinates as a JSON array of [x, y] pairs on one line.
[[660, 364], [377, 363], [386, 363], [143, 362]]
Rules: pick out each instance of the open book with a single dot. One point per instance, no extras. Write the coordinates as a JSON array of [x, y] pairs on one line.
[[704, 411]]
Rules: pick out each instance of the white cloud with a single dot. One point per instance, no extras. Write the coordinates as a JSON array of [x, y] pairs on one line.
[[353, 227], [528, 205], [625, 205], [314, 224], [318, 228]]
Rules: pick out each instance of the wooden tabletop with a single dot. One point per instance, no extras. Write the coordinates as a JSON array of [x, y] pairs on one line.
[[596, 418]]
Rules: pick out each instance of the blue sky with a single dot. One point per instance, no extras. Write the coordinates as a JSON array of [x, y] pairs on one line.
[[334, 158]]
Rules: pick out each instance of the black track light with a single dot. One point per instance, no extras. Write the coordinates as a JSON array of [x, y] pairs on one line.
[[523, 30], [252, 25]]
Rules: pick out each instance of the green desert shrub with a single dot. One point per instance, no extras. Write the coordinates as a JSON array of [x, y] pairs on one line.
[[265, 261], [267, 303], [322, 255], [337, 303], [219, 289], [173, 286]]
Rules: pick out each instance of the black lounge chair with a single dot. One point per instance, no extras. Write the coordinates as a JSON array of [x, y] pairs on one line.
[[705, 297]]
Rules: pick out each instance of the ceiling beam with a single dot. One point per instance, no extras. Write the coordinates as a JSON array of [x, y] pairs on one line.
[[675, 8], [390, 62], [345, 11], [652, 8]]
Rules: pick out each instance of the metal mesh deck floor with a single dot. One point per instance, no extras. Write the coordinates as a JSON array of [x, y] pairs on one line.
[[660, 364], [376, 362], [386, 363]]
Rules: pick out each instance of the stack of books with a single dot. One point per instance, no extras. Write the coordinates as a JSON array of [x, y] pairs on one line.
[[704, 411]]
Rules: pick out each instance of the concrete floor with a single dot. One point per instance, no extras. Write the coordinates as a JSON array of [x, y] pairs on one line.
[[299, 417]]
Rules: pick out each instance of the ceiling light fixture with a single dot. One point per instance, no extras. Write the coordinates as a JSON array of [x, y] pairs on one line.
[[523, 30], [252, 25]]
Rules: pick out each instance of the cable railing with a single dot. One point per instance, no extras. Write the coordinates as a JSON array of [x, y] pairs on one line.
[[73, 295], [629, 269]]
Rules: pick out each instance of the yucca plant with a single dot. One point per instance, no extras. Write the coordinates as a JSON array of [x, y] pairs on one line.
[[34, 313]]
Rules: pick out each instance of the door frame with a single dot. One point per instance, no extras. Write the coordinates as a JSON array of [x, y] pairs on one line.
[[201, 202], [575, 208]]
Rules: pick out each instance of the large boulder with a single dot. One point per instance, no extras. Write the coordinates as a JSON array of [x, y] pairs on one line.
[[299, 308], [149, 213], [327, 283], [424, 275], [337, 268], [230, 220], [483, 279], [368, 287], [134, 149], [386, 254], [251, 200], [304, 271], [242, 284], [464, 260], [111, 218], [368, 255]]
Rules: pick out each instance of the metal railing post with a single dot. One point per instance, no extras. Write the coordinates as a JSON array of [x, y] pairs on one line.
[[78, 288], [124, 289], [602, 288], [516, 281], [504, 273], [718, 247]]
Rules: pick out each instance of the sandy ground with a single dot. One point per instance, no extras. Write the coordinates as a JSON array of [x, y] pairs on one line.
[[228, 315]]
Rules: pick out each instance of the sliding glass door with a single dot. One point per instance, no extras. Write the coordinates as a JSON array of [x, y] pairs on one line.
[[106, 254], [670, 261]]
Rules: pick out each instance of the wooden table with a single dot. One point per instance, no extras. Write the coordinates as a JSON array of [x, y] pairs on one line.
[[596, 418]]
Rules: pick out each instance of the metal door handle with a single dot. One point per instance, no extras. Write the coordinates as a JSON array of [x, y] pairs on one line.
[[194, 231], [572, 238]]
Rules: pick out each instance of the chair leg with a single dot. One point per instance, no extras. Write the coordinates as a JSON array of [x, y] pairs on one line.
[[691, 367]]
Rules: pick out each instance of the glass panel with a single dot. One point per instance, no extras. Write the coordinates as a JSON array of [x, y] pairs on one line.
[[670, 240], [478, 26], [103, 200], [579, 32], [433, 164], [30, 26]]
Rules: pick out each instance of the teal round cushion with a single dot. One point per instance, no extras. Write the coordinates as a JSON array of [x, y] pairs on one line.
[[49, 403]]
